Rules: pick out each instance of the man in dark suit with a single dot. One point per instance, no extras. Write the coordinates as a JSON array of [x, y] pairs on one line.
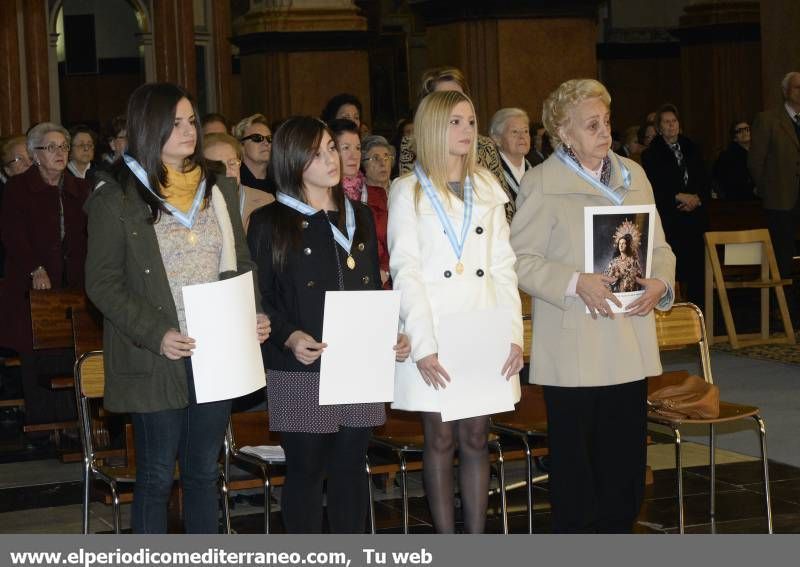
[[774, 163], [675, 168]]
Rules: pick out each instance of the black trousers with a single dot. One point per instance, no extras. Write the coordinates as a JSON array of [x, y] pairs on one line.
[[310, 459], [598, 455], [783, 230]]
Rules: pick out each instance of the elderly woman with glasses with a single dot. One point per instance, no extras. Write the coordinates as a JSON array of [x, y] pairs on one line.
[[377, 157], [226, 151], [44, 235], [592, 364], [82, 153], [256, 138]]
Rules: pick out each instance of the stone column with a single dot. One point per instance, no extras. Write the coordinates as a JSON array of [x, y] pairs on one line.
[[720, 64], [37, 69], [173, 42], [780, 46], [295, 57], [10, 86], [513, 53]]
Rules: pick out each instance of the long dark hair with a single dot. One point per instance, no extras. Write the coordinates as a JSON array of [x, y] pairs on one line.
[[294, 146], [150, 121]]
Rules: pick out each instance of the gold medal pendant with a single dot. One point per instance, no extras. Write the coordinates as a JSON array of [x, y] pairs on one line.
[[351, 263], [459, 268]]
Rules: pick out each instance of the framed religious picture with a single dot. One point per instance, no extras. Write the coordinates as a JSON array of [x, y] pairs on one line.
[[619, 244]]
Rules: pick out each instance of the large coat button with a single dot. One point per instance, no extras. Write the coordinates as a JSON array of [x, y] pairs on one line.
[[479, 273], [147, 270], [479, 230], [310, 283], [307, 251], [304, 224], [360, 246], [365, 280], [447, 273]]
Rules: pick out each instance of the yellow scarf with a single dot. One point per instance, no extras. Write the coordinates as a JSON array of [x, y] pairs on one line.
[[182, 187]]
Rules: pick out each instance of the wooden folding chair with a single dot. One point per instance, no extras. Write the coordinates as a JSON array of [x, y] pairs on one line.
[[51, 328], [769, 278], [683, 326]]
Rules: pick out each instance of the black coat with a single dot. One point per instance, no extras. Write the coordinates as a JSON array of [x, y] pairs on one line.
[[732, 175], [294, 296], [666, 178]]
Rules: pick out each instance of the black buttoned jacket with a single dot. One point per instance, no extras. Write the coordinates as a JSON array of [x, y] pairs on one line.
[[293, 296]]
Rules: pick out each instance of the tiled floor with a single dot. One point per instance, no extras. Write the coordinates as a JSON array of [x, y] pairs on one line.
[[54, 506]]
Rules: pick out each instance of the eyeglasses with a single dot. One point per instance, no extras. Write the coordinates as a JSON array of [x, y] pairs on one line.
[[24, 159], [52, 147], [84, 147], [257, 138], [375, 160], [742, 129]]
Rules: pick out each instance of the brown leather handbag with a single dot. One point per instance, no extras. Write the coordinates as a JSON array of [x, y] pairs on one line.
[[692, 398]]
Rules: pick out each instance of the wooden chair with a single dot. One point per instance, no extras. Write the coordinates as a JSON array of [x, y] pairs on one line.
[[403, 435], [252, 429], [528, 425], [683, 326], [51, 328], [768, 278]]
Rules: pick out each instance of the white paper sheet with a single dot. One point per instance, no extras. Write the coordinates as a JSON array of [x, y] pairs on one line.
[[221, 318], [472, 349], [270, 453], [746, 254], [360, 329]]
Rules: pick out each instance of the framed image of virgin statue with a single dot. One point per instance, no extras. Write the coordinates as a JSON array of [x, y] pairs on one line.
[[619, 244]]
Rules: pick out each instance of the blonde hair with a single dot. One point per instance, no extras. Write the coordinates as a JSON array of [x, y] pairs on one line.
[[245, 123], [217, 138], [431, 124], [558, 104]]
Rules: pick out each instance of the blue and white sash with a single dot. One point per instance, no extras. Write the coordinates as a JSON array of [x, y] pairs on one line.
[[188, 218], [449, 230], [346, 242], [614, 194]]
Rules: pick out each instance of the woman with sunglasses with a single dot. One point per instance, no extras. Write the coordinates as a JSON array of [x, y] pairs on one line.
[[44, 235], [256, 138]]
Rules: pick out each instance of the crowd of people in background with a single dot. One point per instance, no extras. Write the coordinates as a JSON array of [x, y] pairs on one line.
[[272, 180]]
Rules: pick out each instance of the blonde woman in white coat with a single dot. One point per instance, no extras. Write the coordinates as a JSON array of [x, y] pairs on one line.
[[438, 275]]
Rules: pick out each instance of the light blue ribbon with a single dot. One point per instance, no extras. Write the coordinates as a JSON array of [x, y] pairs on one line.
[[188, 218], [615, 195], [449, 230], [346, 242]]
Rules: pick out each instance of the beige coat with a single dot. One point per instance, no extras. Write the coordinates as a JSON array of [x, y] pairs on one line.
[[569, 347], [253, 199]]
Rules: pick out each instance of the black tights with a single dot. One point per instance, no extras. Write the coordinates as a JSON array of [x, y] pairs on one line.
[[441, 439], [310, 458]]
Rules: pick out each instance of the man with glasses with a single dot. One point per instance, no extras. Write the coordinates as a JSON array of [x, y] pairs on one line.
[[256, 138], [733, 180], [774, 161]]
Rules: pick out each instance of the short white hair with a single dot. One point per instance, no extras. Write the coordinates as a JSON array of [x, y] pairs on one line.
[[37, 133], [785, 82], [498, 124]]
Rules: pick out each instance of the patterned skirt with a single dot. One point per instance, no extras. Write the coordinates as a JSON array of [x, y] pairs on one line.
[[293, 402]]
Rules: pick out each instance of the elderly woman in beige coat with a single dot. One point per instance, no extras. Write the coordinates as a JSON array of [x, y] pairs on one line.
[[592, 365]]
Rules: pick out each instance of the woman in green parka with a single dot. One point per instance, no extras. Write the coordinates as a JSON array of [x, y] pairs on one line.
[[157, 222]]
